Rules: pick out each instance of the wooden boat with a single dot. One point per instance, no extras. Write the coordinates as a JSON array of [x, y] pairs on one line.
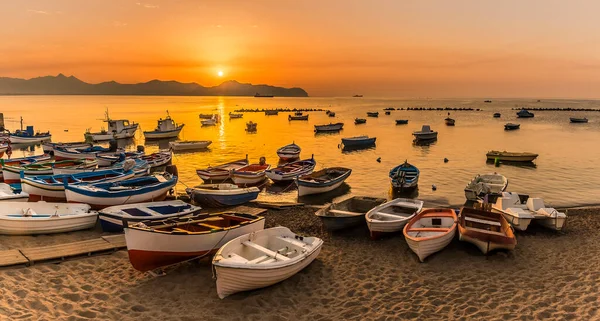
[[348, 212], [117, 129], [251, 126], [449, 121], [578, 120], [136, 190], [111, 218], [331, 114], [524, 113], [209, 122], [158, 159], [28, 218], [388, 113], [425, 134], [234, 116], [487, 101], [189, 145], [165, 128], [430, 231], [52, 187], [48, 147], [221, 172], [491, 185], [289, 152], [22, 161], [250, 174], [392, 216], [497, 115], [358, 141], [205, 116], [520, 210], [91, 152], [109, 159], [329, 128], [13, 173], [322, 181], [158, 243], [404, 176], [262, 258], [4, 148], [401, 121], [511, 126], [288, 172], [221, 195], [358, 121], [486, 230], [271, 112], [139, 166], [7, 193], [390, 108], [511, 156], [298, 117], [373, 114], [28, 136]]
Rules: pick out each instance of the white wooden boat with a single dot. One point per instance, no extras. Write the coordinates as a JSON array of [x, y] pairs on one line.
[[511, 156], [329, 127], [28, 136], [520, 210], [158, 159], [89, 152], [189, 145], [221, 195], [159, 243], [27, 218], [250, 174], [492, 184], [486, 230], [322, 181], [262, 258], [209, 122], [166, 128], [222, 172], [289, 152], [12, 174], [426, 133], [392, 216], [7, 193], [111, 218], [117, 129], [348, 212], [49, 147], [289, 171], [430, 231], [22, 161]]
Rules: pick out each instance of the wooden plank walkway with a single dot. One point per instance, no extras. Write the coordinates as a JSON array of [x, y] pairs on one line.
[[12, 257]]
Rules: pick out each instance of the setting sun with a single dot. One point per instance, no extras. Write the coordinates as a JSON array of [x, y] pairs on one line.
[[220, 73]]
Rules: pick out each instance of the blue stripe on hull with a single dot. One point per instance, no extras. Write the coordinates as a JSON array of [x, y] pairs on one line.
[[224, 200]]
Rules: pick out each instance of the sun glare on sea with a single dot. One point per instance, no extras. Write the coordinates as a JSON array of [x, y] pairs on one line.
[[220, 73]]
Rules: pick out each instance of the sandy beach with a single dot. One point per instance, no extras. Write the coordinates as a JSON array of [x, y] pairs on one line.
[[549, 276]]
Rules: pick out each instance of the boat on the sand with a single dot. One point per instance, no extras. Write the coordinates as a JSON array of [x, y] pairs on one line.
[[348, 212], [392, 216], [487, 230], [430, 231]]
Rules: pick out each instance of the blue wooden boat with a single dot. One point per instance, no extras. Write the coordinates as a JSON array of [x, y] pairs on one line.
[[27, 136], [221, 195], [111, 218], [404, 176], [358, 141]]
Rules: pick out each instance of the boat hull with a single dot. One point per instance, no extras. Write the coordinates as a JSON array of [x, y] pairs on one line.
[[332, 223], [218, 198], [245, 179], [308, 188], [29, 140], [512, 158], [125, 133], [358, 143], [485, 246], [425, 248], [163, 134], [425, 136]]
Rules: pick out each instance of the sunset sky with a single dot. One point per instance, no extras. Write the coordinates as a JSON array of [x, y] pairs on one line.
[[395, 48]]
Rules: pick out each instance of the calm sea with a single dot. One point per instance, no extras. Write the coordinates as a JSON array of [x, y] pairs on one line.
[[566, 172]]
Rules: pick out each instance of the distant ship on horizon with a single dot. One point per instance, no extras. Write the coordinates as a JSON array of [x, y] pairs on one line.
[[358, 96], [258, 95]]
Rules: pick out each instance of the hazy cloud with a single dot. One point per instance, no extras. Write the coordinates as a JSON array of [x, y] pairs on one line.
[[37, 11], [147, 5], [118, 24]]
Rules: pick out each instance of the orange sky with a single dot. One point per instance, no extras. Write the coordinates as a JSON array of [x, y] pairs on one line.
[[402, 48]]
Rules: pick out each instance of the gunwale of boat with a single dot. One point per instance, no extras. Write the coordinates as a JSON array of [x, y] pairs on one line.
[[154, 226]]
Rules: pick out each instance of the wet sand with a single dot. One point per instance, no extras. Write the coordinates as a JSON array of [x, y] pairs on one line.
[[549, 276]]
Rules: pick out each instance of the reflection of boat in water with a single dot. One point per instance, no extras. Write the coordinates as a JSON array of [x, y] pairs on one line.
[[516, 164]]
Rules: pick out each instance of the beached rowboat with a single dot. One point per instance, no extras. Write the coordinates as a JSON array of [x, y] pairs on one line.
[[287, 172], [12, 173], [158, 159], [221, 172], [486, 230], [250, 174], [22, 161], [221, 195], [322, 181], [392, 216], [27, 218], [348, 212], [430, 231], [329, 128], [111, 218]]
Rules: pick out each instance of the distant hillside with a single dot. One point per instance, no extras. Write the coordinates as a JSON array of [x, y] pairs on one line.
[[63, 85]]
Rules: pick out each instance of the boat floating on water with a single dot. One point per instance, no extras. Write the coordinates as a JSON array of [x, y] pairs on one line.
[[251, 127], [166, 128], [221, 195], [490, 185], [578, 120], [426, 133], [358, 141], [524, 113], [497, 115], [322, 181], [329, 128], [430, 231], [28, 136], [288, 172], [391, 216], [449, 121], [401, 121], [298, 117], [186, 145], [359, 121], [520, 209], [28, 218], [486, 230], [511, 126], [511, 156], [404, 176], [117, 129], [348, 212], [234, 116], [111, 218], [289, 152], [13, 173], [373, 114]]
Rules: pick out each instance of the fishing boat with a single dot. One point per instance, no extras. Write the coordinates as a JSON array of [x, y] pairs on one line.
[[329, 128], [109, 159], [578, 120], [358, 121], [331, 114], [391, 216], [251, 174], [22, 161], [511, 156], [90, 152], [262, 258], [48, 147], [449, 121], [322, 181], [401, 121], [271, 112], [117, 129], [221, 172], [511, 126], [29, 218], [491, 185], [165, 128], [13, 173], [298, 117], [487, 101], [158, 159], [388, 113], [288, 172], [221, 195], [425, 134], [524, 113], [289, 152], [348, 212], [139, 166], [28, 136], [186, 145], [497, 115], [52, 187], [205, 116], [486, 230], [159, 243], [404, 176], [209, 122], [358, 141], [390, 108], [136, 190], [520, 210], [111, 218], [8, 193], [430, 231], [373, 114], [234, 116], [251, 127]]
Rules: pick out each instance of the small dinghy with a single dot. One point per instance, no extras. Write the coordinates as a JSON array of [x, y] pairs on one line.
[[289, 152], [221, 195], [250, 174], [22, 162], [392, 216], [511, 156], [111, 218], [262, 258], [205, 116], [189, 145], [329, 128], [373, 113], [358, 141], [28, 218], [159, 159], [426, 133], [271, 112], [404, 176], [235, 116], [298, 117], [322, 181], [12, 173], [491, 185], [287, 172], [511, 126], [430, 231], [449, 121], [159, 243], [497, 115], [221, 172], [578, 120], [251, 126], [486, 230], [520, 209], [136, 190], [401, 121], [348, 212], [7, 193], [360, 121], [524, 113], [209, 122]]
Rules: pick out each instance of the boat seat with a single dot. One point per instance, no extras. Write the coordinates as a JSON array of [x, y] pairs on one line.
[[428, 229], [268, 261], [212, 227], [292, 241], [548, 211], [236, 258], [265, 251], [534, 204], [258, 259], [436, 215], [396, 217], [29, 212], [344, 212], [160, 178], [474, 229], [176, 229], [481, 221]]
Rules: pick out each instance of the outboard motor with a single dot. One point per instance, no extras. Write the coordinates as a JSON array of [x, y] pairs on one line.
[[141, 148], [112, 145], [128, 164]]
